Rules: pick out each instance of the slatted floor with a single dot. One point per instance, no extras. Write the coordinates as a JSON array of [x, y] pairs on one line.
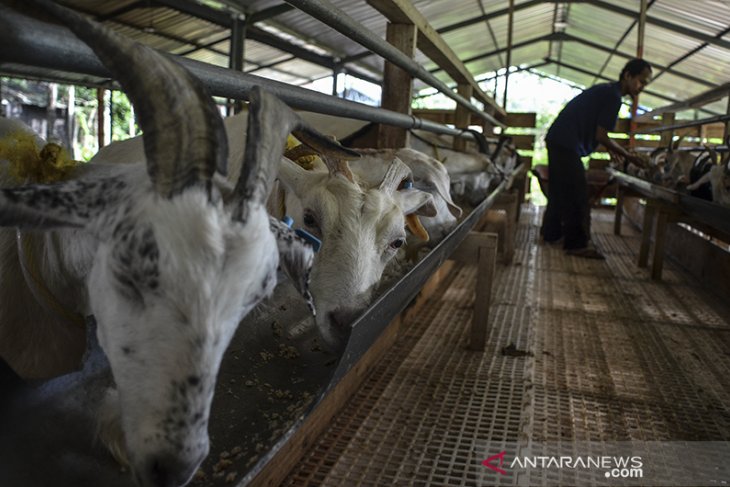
[[610, 356]]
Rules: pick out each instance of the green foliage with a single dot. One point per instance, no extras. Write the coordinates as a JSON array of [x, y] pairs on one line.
[[122, 117]]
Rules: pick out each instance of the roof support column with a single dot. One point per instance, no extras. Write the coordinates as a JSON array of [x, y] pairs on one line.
[[397, 85], [235, 60], [52, 95], [336, 72], [71, 121], [510, 25], [726, 131], [667, 135], [462, 116], [640, 55]]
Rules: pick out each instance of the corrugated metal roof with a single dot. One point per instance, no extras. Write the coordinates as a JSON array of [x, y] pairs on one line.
[[602, 23]]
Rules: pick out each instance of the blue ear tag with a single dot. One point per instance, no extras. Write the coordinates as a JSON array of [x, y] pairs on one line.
[[407, 185], [313, 241], [287, 220]]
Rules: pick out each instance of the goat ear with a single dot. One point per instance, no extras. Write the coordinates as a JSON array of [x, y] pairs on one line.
[[291, 175], [295, 258], [415, 201], [68, 204]]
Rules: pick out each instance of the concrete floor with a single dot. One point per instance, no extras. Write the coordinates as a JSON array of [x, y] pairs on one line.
[[582, 354]]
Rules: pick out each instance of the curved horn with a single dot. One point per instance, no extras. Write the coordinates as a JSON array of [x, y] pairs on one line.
[[334, 155], [184, 139], [269, 122], [338, 166], [397, 172]]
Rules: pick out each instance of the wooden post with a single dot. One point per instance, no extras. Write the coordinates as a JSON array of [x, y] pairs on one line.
[[397, 86], [659, 234], [462, 116], [618, 216], [480, 249], [510, 203], [649, 211], [667, 135]]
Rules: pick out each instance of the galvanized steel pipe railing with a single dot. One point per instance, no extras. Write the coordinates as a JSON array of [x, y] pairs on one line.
[[343, 23], [683, 125], [28, 41]]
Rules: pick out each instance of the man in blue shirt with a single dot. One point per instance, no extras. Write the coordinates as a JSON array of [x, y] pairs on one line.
[[582, 124]]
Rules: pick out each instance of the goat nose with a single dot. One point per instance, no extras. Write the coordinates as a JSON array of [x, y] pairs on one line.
[[170, 471], [342, 319]]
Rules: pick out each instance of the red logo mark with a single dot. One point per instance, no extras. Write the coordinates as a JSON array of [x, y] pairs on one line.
[[500, 456]]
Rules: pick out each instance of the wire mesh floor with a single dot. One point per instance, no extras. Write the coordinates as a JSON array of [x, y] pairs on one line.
[[578, 350]]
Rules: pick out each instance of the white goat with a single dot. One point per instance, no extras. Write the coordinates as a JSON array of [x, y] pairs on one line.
[[360, 225], [719, 178], [168, 258], [429, 175], [472, 174]]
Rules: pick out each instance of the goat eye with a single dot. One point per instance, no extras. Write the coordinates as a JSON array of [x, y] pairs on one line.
[[309, 220], [397, 243]]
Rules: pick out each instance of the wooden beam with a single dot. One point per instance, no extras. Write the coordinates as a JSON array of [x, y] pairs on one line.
[[523, 141], [397, 86], [433, 45], [521, 119]]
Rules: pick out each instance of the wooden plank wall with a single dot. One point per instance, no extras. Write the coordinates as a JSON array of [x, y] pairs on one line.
[[705, 260]]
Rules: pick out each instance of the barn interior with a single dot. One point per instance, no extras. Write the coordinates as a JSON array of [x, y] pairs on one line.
[[492, 347]]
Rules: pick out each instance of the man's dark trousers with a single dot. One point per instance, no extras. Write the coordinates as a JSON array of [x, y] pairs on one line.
[[567, 213]]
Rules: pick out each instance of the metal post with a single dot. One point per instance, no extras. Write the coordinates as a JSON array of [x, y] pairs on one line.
[[100, 126], [235, 60], [109, 109], [71, 121], [639, 54], [726, 132], [336, 72], [51, 109], [510, 25]]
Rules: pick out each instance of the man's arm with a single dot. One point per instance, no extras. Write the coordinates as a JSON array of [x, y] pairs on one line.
[[613, 147]]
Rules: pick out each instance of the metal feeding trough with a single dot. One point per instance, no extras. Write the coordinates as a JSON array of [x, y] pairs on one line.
[[273, 375]]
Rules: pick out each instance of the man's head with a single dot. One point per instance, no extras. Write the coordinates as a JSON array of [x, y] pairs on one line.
[[634, 77]]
